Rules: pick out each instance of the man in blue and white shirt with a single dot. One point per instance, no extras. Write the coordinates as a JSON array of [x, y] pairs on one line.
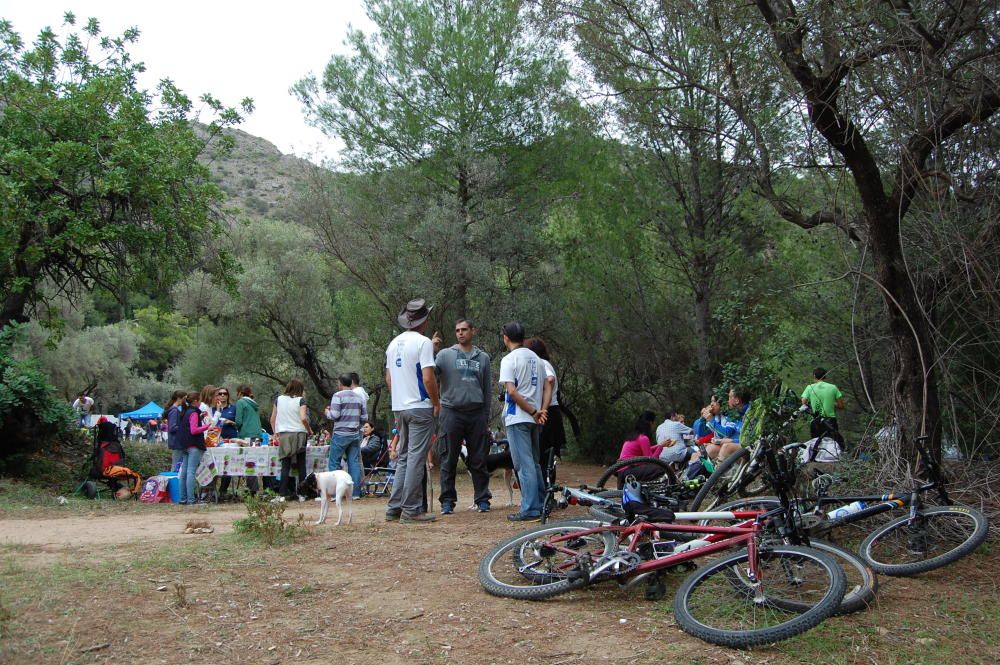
[[521, 376], [409, 372]]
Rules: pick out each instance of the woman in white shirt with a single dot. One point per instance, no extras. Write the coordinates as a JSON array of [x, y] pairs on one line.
[[290, 423]]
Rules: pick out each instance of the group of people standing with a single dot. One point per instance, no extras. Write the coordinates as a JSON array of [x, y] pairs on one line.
[[450, 393], [189, 415]]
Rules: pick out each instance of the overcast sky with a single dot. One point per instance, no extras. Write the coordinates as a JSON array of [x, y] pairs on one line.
[[231, 49]]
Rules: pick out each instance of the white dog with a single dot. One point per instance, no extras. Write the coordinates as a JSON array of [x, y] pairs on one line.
[[339, 485]]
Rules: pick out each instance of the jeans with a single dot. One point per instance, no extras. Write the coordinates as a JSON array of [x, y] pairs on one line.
[[415, 429], [177, 464], [192, 458], [455, 427], [349, 445], [524, 451]]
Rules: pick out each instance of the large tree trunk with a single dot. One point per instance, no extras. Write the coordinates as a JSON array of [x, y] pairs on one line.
[[915, 395], [12, 310], [703, 335]]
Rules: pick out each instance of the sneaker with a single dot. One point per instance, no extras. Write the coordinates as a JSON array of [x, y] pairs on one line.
[[483, 507], [392, 516], [278, 499], [523, 517], [447, 508], [417, 519]]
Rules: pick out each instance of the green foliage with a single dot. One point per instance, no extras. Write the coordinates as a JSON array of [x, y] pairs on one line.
[[30, 412], [147, 459], [100, 183], [163, 337], [265, 521]]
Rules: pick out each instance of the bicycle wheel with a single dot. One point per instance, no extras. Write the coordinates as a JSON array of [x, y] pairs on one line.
[[862, 582], [612, 471], [939, 536], [724, 483], [529, 567], [719, 604]]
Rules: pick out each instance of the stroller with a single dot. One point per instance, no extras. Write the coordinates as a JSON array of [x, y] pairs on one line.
[[107, 466], [379, 471]]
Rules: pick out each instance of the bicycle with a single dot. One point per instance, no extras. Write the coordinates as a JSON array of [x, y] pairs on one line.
[[928, 538], [764, 593]]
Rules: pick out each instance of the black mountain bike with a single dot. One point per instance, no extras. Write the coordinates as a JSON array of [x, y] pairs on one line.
[[926, 538]]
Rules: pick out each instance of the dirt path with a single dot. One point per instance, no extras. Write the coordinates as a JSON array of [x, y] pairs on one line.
[[106, 589]]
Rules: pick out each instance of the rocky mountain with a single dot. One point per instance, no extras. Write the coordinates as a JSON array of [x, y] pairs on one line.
[[256, 177]]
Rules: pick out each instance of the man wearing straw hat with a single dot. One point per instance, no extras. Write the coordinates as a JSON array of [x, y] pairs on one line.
[[409, 372]]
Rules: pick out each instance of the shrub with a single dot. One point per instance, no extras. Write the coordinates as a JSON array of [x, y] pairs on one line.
[[31, 414], [265, 521]]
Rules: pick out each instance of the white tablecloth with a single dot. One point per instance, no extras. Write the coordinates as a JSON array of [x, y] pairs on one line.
[[253, 461]]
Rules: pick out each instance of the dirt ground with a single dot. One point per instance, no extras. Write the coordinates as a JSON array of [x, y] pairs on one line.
[[110, 587]]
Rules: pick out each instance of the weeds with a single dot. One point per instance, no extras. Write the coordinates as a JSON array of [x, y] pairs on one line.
[[265, 521]]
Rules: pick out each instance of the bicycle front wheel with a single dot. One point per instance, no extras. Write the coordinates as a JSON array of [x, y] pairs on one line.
[[720, 604], [940, 535], [530, 566], [862, 582]]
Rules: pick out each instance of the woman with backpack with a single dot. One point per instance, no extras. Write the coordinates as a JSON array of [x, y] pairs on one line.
[[290, 424], [172, 416], [193, 439]]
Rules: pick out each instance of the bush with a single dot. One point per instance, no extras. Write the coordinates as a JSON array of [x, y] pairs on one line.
[[31, 414], [265, 521], [147, 459]]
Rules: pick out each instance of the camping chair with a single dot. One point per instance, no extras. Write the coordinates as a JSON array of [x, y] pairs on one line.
[[378, 473], [107, 466]]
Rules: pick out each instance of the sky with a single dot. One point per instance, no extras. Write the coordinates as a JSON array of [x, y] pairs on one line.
[[230, 49]]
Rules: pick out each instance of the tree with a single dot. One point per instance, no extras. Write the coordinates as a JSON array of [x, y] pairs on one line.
[[894, 91], [456, 91], [99, 179], [282, 306], [689, 167]]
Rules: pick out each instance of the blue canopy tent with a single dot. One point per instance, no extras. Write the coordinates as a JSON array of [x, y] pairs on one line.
[[150, 411]]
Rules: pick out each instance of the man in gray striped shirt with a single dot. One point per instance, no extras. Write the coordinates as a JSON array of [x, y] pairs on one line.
[[347, 411]]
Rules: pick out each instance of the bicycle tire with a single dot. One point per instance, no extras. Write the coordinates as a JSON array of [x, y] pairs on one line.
[[816, 576], [613, 470], [954, 531], [545, 578], [709, 493], [862, 581]]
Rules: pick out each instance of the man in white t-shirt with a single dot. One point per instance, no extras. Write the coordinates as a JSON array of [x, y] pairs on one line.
[[83, 406], [409, 372], [356, 387], [672, 434], [521, 375]]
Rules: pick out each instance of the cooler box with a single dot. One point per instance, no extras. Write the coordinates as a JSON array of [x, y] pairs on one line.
[[173, 485]]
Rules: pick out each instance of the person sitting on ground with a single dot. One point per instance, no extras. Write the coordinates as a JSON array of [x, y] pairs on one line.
[[670, 435], [677, 440], [729, 428], [703, 426], [638, 445]]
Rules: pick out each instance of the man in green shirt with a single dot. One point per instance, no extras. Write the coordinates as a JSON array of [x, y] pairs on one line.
[[824, 399]]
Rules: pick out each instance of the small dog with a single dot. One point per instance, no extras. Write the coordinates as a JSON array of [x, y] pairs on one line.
[[337, 484]]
